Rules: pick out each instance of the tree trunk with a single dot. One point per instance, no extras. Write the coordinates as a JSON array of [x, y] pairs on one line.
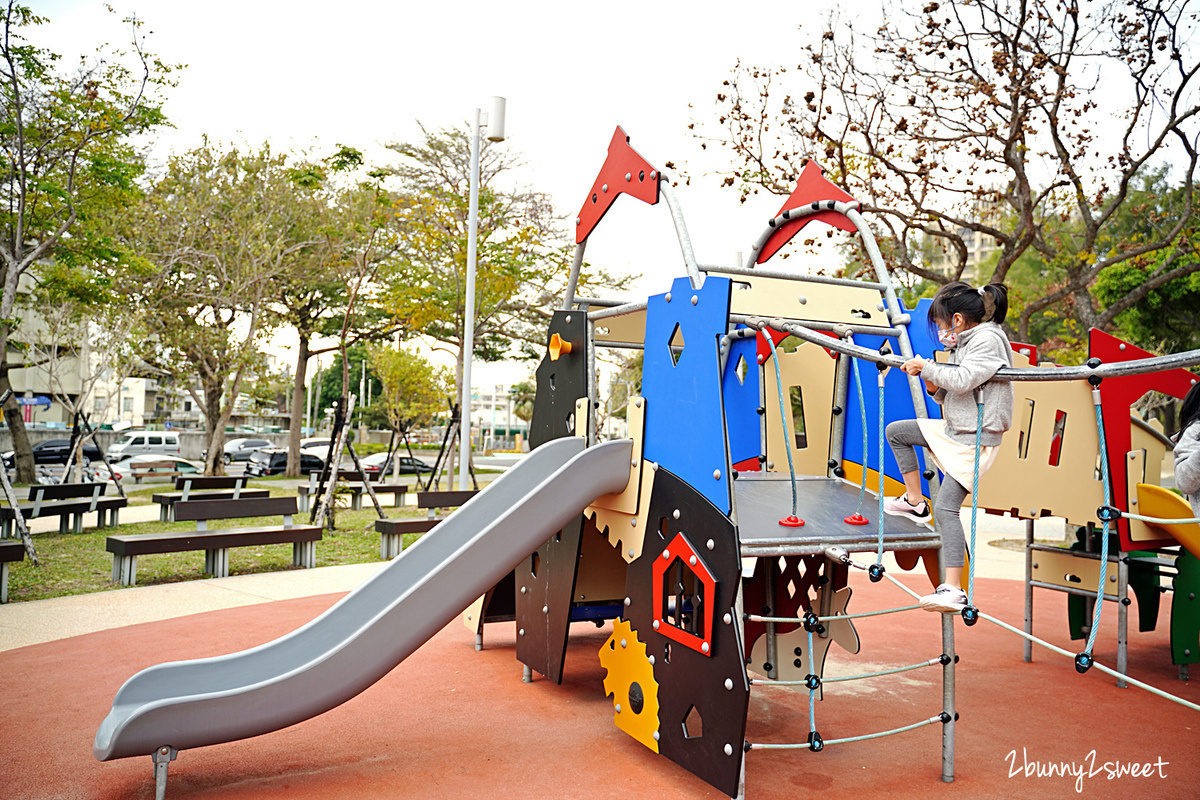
[[214, 462], [298, 405], [15, 419]]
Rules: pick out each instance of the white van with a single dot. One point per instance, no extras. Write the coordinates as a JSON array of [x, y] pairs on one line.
[[138, 442]]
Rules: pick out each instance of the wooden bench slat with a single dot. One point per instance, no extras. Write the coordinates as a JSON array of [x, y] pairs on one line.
[[183, 541], [211, 481], [194, 510], [443, 499], [12, 551], [66, 491], [410, 525]]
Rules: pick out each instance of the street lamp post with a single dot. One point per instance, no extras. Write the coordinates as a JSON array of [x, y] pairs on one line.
[[495, 123]]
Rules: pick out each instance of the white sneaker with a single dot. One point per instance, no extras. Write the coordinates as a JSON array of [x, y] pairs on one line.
[[900, 507], [946, 598]]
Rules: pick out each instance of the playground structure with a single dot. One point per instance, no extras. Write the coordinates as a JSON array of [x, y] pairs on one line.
[[719, 535]]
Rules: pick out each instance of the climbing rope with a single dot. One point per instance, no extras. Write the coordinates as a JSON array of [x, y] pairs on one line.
[[1030, 637], [1084, 660], [969, 612], [793, 520], [858, 518], [879, 465]]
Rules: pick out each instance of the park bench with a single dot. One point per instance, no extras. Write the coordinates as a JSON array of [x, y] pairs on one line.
[[204, 487], [9, 552], [216, 543], [154, 469], [354, 485], [391, 531], [67, 501]]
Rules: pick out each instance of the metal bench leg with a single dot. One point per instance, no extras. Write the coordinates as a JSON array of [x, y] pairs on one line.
[[216, 562], [113, 519], [356, 501], [64, 524], [4, 582], [390, 545], [304, 554], [77, 519], [124, 570], [163, 757], [162, 513]]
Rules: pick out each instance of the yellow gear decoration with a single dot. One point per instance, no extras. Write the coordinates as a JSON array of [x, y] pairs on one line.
[[624, 657]]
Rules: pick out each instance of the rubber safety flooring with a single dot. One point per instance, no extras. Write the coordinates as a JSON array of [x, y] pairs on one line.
[[450, 722]]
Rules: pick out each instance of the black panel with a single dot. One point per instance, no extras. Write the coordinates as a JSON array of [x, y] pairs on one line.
[[543, 645], [690, 682], [560, 383]]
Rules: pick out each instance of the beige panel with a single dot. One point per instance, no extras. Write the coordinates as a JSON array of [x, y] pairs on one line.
[[1030, 487], [1072, 571], [473, 616], [629, 328], [811, 368], [601, 574], [627, 531], [777, 297], [627, 501], [1135, 473]]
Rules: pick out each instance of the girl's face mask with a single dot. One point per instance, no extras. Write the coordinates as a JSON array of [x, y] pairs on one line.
[[948, 337]]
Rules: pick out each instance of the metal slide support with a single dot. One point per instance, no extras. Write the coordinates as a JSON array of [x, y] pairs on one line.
[[841, 395], [1028, 654], [162, 757], [573, 281]]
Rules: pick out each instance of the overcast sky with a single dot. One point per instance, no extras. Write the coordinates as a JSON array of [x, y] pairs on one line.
[[311, 75]]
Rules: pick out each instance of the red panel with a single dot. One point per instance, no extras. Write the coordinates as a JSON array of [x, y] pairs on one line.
[[1116, 395], [624, 172], [811, 187], [1017, 347], [764, 349], [680, 548], [749, 465]]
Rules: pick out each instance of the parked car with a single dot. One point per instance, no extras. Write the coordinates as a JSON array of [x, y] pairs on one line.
[[273, 461], [240, 449], [135, 442], [377, 464], [54, 451], [123, 466]]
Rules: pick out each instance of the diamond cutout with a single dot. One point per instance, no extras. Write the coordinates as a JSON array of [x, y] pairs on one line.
[[676, 345], [741, 369], [693, 725]]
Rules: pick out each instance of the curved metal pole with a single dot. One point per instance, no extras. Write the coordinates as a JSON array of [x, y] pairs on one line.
[[573, 281], [1113, 369], [681, 232]]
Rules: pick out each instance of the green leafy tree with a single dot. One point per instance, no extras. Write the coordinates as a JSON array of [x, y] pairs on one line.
[[67, 157], [1028, 123], [414, 390], [219, 229]]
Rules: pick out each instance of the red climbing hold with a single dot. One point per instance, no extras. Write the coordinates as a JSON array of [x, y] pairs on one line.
[[792, 521], [857, 519]]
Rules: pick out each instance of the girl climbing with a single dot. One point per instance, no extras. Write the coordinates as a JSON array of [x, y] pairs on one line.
[[1187, 448], [968, 323]]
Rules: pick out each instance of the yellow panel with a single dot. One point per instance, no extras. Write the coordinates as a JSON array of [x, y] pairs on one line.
[[891, 486], [1067, 569], [1031, 487], [624, 658], [581, 417], [811, 368], [1155, 501], [626, 501], [626, 328], [778, 297]]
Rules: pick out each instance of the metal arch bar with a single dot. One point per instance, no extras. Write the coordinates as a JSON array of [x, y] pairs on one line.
[[1113, 369], [681, 231], [600, 302], [848, 739], [790, 276], [933, 662], [573, 280], [840, 206], [617, 311]]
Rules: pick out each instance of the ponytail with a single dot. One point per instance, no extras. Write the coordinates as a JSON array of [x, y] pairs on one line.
[[988, 304]]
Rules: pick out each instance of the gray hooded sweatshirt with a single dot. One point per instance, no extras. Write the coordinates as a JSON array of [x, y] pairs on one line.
[[973, 361], [1187, 465]]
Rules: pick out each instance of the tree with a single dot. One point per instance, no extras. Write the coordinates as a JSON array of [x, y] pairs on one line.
[[1025, 121], [414, 390], [219, 227], [67, 153]]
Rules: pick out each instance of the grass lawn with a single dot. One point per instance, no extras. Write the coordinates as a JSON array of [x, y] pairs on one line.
[[79, 564]]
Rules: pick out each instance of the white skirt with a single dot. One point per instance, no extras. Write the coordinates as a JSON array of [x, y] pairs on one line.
[[952, 458]]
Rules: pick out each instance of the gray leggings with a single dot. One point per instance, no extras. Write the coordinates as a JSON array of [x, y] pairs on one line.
[[905, 436]]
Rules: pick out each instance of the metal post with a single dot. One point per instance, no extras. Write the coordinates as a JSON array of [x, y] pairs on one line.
[[1122, 617], [464, 442], [1028, 655]]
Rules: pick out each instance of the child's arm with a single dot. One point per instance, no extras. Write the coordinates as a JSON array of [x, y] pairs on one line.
[[1187, 460], [978, 365]]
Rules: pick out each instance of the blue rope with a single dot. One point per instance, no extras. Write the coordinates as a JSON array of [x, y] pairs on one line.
[[1104, 538], [787, 444], [974, 500], [812, 693], [862, 407]]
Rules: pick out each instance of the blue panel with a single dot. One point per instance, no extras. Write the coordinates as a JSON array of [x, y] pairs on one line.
[[741, 401], [684, 422], [897, 400]]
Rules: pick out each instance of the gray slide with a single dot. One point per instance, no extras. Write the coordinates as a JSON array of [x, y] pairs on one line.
[[326, 662]]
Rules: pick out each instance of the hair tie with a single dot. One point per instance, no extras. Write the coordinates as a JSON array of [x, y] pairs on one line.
[[982, 291]]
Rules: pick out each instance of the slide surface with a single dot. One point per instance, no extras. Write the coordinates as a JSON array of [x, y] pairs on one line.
[[360, 639]]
